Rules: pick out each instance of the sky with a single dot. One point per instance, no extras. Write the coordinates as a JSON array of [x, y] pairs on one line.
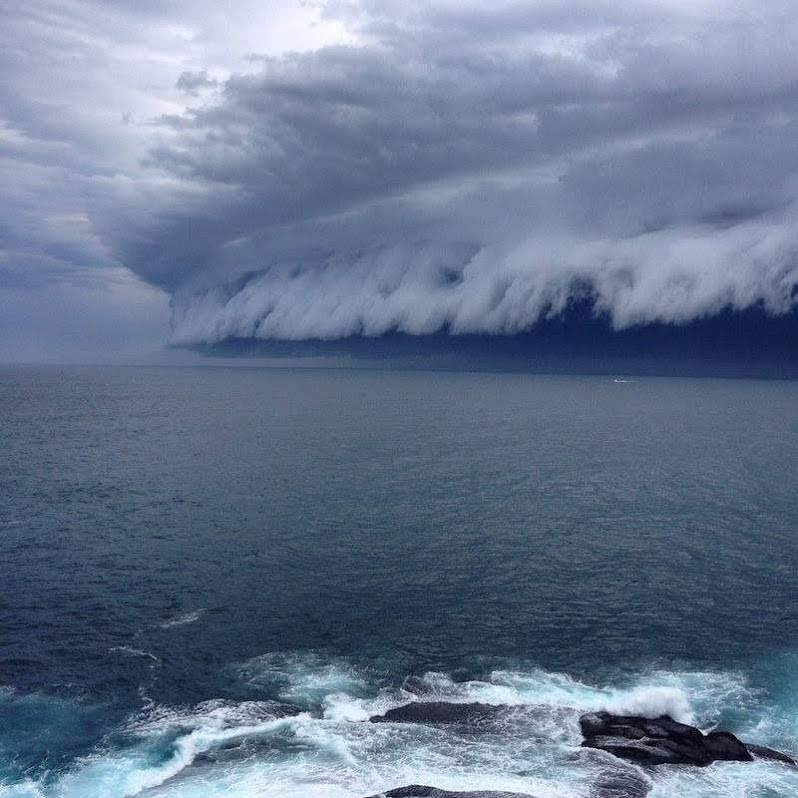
[[180, 173]]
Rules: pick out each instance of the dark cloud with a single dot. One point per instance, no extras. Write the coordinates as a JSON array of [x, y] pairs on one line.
[[745, 343], [458, 166], [472, 169]]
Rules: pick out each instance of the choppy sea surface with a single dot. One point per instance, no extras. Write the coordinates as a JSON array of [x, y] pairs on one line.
[[186, 553]]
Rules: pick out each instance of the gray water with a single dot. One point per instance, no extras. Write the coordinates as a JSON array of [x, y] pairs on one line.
[[182, 547]]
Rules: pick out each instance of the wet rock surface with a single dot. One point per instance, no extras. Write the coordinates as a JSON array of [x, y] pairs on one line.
[[664, 741], [422, 791], [519, 722], [763, 752], [620, 784], [660, 741], [441, 712]]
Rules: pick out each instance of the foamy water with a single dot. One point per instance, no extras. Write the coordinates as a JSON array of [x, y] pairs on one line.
[[328, 748]]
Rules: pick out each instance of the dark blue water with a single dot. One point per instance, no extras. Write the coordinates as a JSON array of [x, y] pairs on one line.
[[182, 547]]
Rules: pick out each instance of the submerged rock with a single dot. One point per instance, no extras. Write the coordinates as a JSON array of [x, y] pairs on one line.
[[620, 784], [422, 791], [659, 741]]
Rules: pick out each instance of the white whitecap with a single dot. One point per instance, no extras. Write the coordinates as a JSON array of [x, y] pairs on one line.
[[183, 619]]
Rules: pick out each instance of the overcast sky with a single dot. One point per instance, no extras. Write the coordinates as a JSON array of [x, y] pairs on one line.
[[176, 172]]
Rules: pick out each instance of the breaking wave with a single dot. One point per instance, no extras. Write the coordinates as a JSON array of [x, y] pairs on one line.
[[309, 736]]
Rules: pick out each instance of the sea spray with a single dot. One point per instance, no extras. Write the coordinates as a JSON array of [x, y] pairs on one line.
[[326, 747]]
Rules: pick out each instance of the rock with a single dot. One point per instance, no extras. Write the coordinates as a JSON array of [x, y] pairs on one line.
[[659, 741], [474, 718], [762, 752], [440, 712], [610, 784], [616, 783], [725, 746], [421, 791]]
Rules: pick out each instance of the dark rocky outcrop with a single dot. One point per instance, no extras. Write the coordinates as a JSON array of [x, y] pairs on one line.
[[724, 746], [659, 741], [422, 791], [440, 712], [472, 718], [762, 752]]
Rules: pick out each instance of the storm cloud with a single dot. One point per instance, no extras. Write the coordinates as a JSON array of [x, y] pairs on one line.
[[469, 167], [477, 167]]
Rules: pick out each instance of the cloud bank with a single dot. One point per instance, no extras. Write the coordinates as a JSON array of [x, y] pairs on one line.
[[476, 167], [416, 167]]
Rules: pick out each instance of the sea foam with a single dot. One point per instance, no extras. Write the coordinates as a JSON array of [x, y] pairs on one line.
[[241, 749]]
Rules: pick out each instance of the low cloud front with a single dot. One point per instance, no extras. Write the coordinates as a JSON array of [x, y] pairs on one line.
[[452, 167]]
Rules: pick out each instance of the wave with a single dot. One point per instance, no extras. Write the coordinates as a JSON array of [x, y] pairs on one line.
[[164, 742], [183, 619], [310, 736], [135, 652]]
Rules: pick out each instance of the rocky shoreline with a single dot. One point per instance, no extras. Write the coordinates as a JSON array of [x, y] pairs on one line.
[[638, 744]]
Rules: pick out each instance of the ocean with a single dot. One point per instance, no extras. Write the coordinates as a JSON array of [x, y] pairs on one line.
[[211, 577]]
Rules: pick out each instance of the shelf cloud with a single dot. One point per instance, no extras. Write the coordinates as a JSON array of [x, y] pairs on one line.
[[475, 168], [469, 167]]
